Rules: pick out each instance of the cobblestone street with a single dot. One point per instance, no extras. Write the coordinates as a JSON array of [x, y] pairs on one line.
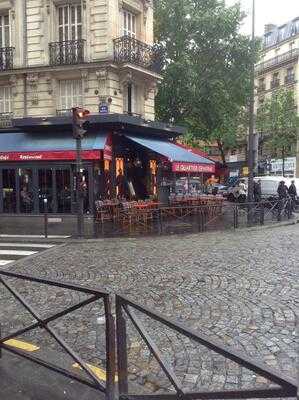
[[240, 288]]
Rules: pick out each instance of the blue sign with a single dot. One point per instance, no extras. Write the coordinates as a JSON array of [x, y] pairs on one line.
[[103, 108]]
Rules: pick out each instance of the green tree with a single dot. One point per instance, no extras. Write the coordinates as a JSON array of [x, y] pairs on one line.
[[207, 63], [277, 119]]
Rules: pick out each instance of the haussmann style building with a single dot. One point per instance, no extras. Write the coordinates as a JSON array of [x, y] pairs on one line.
[[95, 54]]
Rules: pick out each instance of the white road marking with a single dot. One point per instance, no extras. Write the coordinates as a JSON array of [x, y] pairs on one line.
[[33, 245], [17, 252], [35, 236], [5, 262]]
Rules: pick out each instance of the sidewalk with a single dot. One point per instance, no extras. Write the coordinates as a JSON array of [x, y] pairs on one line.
[[23, 380]]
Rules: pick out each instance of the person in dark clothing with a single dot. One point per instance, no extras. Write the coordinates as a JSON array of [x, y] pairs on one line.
[[282, 195], [257, 191], [293, 194], [282, 190]]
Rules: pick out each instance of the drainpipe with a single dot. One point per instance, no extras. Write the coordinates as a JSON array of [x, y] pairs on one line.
[[25, 52]]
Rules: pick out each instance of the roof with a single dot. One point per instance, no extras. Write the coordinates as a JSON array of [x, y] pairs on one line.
[[21, 141]]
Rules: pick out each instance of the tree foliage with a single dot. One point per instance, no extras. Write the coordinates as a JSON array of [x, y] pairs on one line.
[[277, 119], [207, 62]]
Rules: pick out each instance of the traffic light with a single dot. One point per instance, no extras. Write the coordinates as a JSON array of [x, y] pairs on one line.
[[80, 123]]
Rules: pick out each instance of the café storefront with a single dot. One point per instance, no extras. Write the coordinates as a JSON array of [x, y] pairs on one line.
[[129, 162]]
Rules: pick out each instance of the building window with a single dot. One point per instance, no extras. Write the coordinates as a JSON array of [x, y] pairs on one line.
[[130, 98], [5, 99], [69, 22], [4, 31], [129, 21], [70, 92]]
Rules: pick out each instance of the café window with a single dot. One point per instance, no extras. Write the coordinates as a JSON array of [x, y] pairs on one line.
[[5, 99], [70, 93], [69, 22], [4, 31], [129, 24]]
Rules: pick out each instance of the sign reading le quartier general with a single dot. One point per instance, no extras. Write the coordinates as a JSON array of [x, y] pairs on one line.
[[193, 167]]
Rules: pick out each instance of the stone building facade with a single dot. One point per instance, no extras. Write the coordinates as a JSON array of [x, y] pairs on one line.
[[57, 54], [279, 67]]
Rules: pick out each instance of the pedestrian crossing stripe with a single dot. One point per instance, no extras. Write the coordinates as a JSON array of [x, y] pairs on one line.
[[19, 344], [99, 372], [17, 252], [30, 245], [5, 262]]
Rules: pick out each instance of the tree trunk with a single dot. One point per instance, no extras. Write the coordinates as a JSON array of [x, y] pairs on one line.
[[222, 154], [283, 160]]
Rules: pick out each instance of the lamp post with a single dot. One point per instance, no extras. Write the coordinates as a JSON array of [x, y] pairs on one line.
[[251, 144]]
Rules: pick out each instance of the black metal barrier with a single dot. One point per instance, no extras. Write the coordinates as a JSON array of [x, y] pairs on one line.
[[43, 323], [126, 310], [190, 219]]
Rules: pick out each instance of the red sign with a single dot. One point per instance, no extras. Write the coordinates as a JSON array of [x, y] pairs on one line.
[[49, 155], [108, 148], [192, 167]]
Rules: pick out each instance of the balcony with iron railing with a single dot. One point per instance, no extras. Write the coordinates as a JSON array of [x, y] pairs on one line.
[[68, 52], [290, 79], [133, 51], [6, 120], [277, 61], [6, 58], [261, 88], [275, 83]]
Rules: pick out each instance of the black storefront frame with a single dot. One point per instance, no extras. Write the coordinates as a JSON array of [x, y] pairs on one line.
[[50, 165]]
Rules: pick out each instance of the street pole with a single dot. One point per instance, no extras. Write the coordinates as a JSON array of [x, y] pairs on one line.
[[79, 194], [251, 118]]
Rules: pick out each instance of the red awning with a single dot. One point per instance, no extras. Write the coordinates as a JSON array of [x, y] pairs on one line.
[[49, 155]]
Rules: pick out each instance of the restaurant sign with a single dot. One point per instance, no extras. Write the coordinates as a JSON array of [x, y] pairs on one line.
[[193, 167], [108, 148], [49, 155]]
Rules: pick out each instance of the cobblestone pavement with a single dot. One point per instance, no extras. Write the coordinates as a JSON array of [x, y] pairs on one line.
[[240, 288]]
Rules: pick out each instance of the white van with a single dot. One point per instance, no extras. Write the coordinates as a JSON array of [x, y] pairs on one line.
[[269, 186]]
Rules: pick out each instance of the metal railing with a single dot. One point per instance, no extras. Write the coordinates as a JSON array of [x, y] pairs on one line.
[[118, 334], [166, 220], [6, 119], [67, 52], [275, 83], [43, 323], [276, 61], [6, 58], [64, 112], [261, 88], [125, 308], [131, 50], [290, 79]]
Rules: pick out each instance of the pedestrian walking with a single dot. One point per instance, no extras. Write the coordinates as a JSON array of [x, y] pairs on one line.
[[257, 191], [242, 191], [293, 194], [282, 191]]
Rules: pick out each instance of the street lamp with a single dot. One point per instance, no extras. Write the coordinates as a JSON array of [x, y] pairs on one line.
[[79, 129], [251, 140]]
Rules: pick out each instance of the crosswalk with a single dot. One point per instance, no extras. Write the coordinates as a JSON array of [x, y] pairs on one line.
[[13, 251]]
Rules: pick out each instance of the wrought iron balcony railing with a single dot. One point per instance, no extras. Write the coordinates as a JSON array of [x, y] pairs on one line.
[[130, 50], [67, 53], [6, 120], [261, 88], [6, 58], [289, 79], [277, 61], [275, 83]]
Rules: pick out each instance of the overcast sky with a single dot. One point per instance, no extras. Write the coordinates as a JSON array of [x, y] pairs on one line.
[[268, 11]]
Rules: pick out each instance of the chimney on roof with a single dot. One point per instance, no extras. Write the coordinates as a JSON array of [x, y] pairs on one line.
[[269, 28]]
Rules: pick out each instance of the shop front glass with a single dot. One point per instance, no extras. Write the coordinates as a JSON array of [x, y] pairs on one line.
[[24, 189], [26, 194], [9, 197]]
